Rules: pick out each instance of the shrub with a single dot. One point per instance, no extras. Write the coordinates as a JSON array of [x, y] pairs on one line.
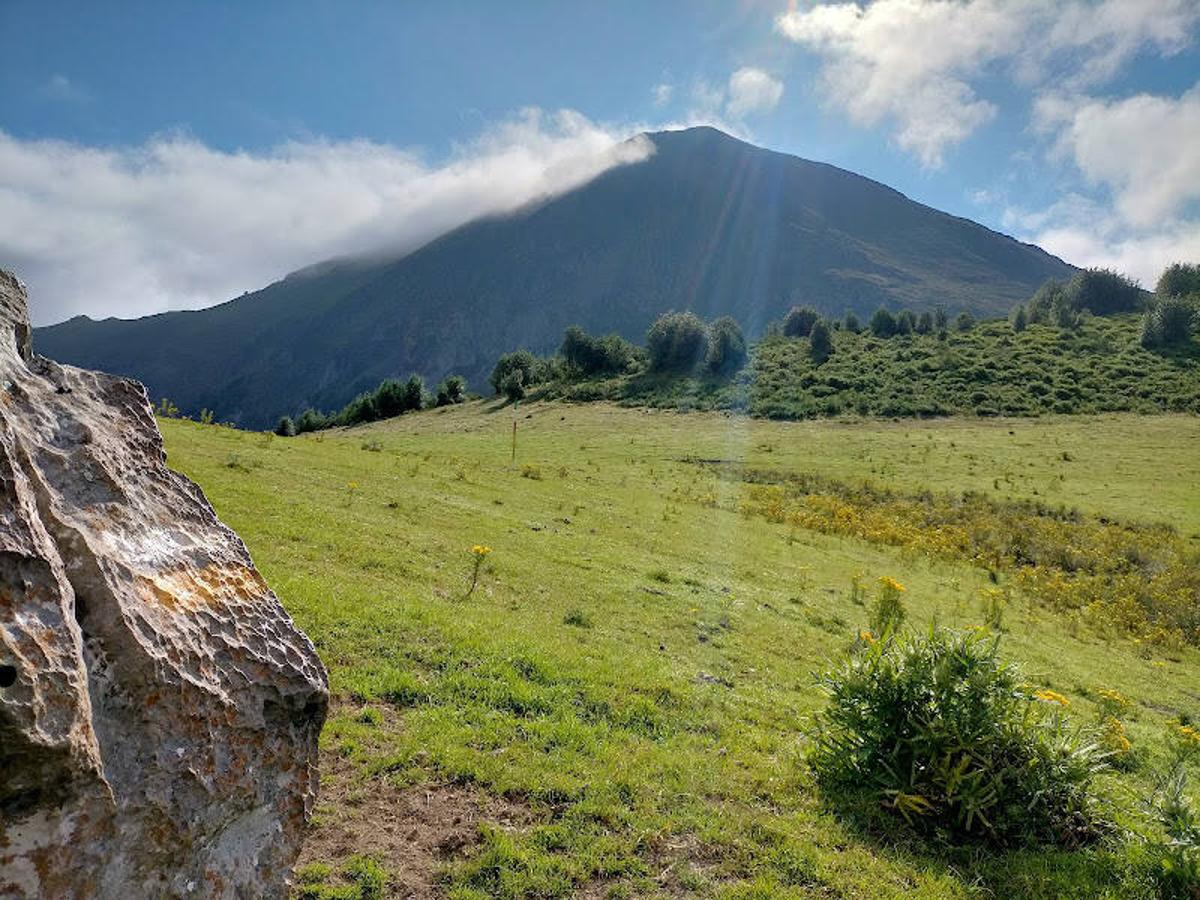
[[820, 343], [520, 363], [360, 409], [888, 613], [389, 399], [1020, 319], [941, 731], [676, 342], [851, 323], [925, 322], [286, 427], [1170, 320], [451, 391], [883, 323], [906, 322], [512, 386], [1064, 315], [414, 393], [1104, 292], [311, 420], [964, 321], [587, 356], [1179, 280], [799, 321], [1179, 855], [940, 319], [726, 346], [1043, 300]]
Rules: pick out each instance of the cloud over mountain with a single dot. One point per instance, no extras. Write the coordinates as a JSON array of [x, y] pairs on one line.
[[175, 223]]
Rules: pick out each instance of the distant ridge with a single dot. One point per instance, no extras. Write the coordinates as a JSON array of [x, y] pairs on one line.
[[708, 223]]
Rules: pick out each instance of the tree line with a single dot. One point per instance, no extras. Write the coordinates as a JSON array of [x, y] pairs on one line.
[[392, 398]]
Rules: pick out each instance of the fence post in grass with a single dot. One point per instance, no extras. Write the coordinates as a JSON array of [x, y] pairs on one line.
[[514, 446]]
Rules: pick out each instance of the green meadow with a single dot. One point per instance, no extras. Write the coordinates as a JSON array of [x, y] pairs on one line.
[[622, 697]]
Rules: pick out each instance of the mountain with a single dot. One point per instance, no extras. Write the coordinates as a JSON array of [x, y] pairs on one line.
[[707, 222]]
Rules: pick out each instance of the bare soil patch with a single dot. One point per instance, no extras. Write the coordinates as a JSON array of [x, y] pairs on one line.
[[413, 831]]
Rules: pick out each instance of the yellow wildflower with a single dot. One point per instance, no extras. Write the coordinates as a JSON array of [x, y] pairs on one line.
[[1048, 696], [1114, 698], [481, 550], [1115, 738], [892, 584], [866, 637]]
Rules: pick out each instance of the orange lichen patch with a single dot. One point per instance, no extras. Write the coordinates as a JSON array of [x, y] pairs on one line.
[[215, 585]]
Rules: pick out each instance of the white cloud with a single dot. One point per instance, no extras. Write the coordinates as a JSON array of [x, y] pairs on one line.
[[916, 64], [1139, 154], [1144, 149], [177, 224], [752, 91], [662, 93], [1142, 256]]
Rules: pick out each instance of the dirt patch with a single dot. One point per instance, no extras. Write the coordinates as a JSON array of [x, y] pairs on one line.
[[412, 831]]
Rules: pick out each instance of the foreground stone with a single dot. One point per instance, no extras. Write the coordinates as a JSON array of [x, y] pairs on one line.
[[159, 711]]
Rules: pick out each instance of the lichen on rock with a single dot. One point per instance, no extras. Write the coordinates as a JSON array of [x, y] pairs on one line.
[[159, 711]]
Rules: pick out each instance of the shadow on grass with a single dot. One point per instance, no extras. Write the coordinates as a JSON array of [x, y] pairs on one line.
[[1104, 866]]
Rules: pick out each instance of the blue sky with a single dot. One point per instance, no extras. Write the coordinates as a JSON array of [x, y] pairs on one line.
[[160, 155]]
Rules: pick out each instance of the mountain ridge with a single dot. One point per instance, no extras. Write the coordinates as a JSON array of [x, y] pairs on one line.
[[707, 222]]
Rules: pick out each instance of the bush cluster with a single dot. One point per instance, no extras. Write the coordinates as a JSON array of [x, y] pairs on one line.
[[676, 342], [885, 324], [392, 398], [515, 373], [944, 734], [1090, 292], [587, 356]]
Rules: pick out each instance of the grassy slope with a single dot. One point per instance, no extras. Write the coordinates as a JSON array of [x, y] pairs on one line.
[[612, 735], [987, 371]]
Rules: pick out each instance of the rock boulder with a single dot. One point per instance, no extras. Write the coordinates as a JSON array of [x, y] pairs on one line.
[[159, 711]]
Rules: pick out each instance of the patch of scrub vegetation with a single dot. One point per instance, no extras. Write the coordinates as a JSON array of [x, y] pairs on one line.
[[1142, 579], [1097, 343], [663, 751]]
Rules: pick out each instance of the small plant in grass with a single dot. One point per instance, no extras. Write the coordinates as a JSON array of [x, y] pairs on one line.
[[888, 613], [1178, 851], [479, 553], [992, 601], [578, 618], [939, 730], [365, 873], [532, 472]]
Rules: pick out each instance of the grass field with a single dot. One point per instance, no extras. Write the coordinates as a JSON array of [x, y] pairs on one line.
[[617, 709]]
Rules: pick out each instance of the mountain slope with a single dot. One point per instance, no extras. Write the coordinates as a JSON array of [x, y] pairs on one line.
[[708, 223]]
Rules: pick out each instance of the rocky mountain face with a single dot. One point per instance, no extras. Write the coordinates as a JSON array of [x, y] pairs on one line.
[[159, 711], [707, 223]]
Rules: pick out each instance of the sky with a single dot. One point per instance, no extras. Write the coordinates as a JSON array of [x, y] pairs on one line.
[[170, 154]]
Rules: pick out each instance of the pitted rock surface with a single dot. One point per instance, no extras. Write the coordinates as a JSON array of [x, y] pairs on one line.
[[159, 710]]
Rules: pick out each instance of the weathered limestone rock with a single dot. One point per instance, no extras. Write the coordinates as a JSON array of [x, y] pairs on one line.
[[159, 711]]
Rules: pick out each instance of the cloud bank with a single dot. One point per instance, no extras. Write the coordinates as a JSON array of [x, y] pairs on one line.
[[176, 224], [916, 65], [1141, 152]]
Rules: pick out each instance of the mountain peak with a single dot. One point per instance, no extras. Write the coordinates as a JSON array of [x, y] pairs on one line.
[[708, 223]]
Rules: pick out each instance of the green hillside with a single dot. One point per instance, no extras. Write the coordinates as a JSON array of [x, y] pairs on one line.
[[987, 371], [619, 706]]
